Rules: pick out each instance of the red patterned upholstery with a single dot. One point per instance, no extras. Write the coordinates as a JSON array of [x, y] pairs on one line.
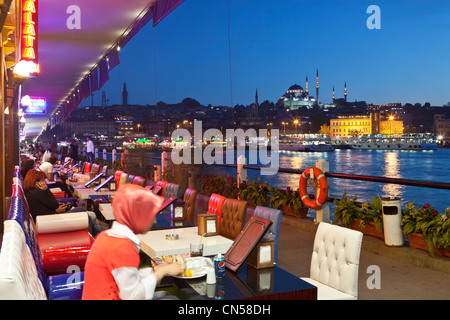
[[161, 184], [61, 250], [87, 167], [215, 206], [139, 181]]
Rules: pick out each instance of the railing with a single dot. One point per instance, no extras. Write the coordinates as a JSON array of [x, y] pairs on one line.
[[406, 182]]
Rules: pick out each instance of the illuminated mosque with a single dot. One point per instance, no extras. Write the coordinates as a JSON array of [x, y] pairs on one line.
[[297, 97]]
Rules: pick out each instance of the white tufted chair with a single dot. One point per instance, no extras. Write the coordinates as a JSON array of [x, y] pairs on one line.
[[335, 262]]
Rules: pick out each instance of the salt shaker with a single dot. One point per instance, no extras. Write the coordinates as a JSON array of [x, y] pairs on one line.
[[211, 276]]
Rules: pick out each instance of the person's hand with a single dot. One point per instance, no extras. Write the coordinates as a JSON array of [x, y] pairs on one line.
[[169, 269], [174, 269], [62, 208], [41, 185]]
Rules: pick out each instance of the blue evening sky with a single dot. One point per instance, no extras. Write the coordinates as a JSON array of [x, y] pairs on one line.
[[275, 44]]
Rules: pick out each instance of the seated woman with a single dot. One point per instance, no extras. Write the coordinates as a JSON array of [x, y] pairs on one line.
[[26, 165], [112, 267], [42, 202]]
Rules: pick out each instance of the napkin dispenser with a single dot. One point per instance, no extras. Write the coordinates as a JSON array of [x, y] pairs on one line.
[[262, 256], [207, 225]]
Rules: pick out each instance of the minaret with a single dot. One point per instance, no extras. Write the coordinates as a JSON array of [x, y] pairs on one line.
[[333, 95], [345, 92], [317, 87], [125, 95], [307, 90], [256, 102]]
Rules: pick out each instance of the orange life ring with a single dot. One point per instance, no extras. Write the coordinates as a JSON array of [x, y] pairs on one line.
[[322, 190]]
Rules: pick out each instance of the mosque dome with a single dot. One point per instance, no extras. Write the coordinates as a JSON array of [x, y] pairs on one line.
[[295, 87]]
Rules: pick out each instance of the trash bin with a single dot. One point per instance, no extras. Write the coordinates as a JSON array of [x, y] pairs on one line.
[[392, 217]]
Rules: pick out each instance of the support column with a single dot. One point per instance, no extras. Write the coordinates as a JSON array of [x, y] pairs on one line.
[[323, 214]]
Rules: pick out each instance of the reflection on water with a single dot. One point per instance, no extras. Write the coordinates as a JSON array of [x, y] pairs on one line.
[[413, 165], [391, 168]]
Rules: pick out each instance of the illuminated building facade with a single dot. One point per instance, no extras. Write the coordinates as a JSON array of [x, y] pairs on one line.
[[357, 125]]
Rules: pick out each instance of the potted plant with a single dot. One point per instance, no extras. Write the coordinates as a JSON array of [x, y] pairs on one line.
[[427, 229], [255, 193], [289, 202], [346, 210], [365, 217]]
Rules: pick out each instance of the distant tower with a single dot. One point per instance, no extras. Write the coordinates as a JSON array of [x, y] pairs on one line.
[[256, 101], [125, 95], [307, 90], [345, 92], [333, 95], [317, 87], [103, 99]]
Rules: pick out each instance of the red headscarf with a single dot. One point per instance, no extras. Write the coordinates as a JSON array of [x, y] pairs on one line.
[[136, 207]]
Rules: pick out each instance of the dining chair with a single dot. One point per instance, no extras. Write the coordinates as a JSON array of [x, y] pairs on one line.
[[139, 181], [95, 168], [190, 195], [273, 233], [123, 179], [171, 189], [335, 262], [130, 178], [117, 175], [87, 167], [162, 184], [215, 205], [232, 219]]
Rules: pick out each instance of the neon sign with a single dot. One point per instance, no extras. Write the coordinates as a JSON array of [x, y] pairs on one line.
[[29, 33], [36, 105]]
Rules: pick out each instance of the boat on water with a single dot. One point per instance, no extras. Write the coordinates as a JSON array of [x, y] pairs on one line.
[[412, 142], [302, 146]]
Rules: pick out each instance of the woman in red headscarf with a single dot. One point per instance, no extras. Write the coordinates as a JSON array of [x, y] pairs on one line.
[[111, 270]]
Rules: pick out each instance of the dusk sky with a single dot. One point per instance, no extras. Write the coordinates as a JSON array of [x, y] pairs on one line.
[[275, 44]]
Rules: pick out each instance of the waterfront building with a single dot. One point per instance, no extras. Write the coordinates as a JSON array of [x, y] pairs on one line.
[[442, 126], [357, 125]]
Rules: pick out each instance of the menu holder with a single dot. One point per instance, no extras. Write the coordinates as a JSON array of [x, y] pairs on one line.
[[66, 163], [75, 166], [157, 190], [87, 184], [243, 245], [167, 203], [207, 225], [101, 185]]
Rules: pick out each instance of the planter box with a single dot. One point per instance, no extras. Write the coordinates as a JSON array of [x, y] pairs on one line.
[[251, 204], [369, 229], [301, 213], [416, 241]]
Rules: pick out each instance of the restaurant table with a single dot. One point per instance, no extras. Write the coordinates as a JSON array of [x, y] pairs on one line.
[[84, 193], [154, 242], [163, 220], [249, 283], [107, 212]]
